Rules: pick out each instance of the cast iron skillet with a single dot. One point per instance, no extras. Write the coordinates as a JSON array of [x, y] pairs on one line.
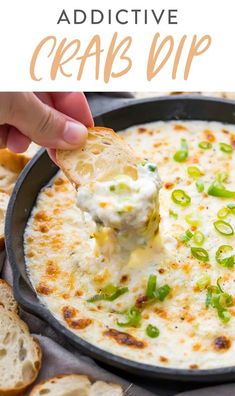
[[39, 172]]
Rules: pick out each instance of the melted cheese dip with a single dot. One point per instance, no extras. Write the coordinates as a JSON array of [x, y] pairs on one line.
[[67, 270]]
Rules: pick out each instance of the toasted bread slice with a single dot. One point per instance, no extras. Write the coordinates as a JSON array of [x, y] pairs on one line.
[[75, 385], [101, 388], [7, 299], [20, 355], [4, 198], [104, 156], [63, 385]]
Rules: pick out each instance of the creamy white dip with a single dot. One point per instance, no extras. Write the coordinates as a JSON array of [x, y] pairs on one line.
[[123, 204]]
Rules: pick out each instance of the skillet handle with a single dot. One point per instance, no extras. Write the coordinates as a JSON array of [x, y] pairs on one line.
[[101, 102], [26, 297]]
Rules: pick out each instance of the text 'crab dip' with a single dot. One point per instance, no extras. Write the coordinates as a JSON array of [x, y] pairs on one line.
[[172, 303]]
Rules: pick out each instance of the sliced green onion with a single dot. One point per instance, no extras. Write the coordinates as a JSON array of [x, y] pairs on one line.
[[182, 154], [203, 282], [223, 228], [162, 292], [224, 315], [156, 293], [226, 148], [218, 299], [152, 167], [173, 214], [200, 254], [152, 331], [205, 145], [109, 293], [216, 189], [193, 219], [200, 186], [223, 213], [198, 238], [194, 171], [179, 197], [231, 207], [222, 257], [186, 236], [133, 318], [151, 286], [112, 188]]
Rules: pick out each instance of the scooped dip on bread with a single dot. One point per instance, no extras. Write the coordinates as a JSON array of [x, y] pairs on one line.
[[115, 187], [123, 203]]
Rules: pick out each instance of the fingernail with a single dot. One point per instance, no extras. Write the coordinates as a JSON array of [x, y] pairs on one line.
[[74, 133]]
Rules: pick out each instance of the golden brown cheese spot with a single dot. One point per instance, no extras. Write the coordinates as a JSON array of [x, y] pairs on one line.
[[179, 127], [78, 293], [44, 288], [232, 140], [30, 254], [158, 144], [163, 359], [49, 193], [65, 296], [142, 130], [140, 301], [59, 181], [168, 185], [196, 347], [208, 135], [79, 324], [194, 366], [125, 339], [225, 131], [221, 343], [69, 312], [42, 216], [124, 279], [161, 270], [52, 269], [160, 312], [43, 229], [103, 204]]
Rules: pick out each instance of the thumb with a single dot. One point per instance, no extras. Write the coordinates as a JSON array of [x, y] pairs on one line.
[[43, 124]]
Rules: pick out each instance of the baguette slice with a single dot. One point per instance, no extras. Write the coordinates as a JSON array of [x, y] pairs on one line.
[[20, 355], [75, 385], [7, 299], [101, 388], [104, 156], [63, 385]]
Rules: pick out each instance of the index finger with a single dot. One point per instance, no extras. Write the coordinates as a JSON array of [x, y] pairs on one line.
[[74, 105]]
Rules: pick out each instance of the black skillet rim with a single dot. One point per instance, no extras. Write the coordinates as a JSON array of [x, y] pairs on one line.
[[207, 375]]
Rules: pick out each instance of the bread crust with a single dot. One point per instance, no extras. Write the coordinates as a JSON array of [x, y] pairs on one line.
[[58, 377], [14, 307], [21, 390], [98, 384]]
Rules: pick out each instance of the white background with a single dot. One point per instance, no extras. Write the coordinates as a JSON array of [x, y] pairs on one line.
[[24, 23]]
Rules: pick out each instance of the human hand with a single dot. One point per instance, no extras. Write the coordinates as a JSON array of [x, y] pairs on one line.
[[52, 120]]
